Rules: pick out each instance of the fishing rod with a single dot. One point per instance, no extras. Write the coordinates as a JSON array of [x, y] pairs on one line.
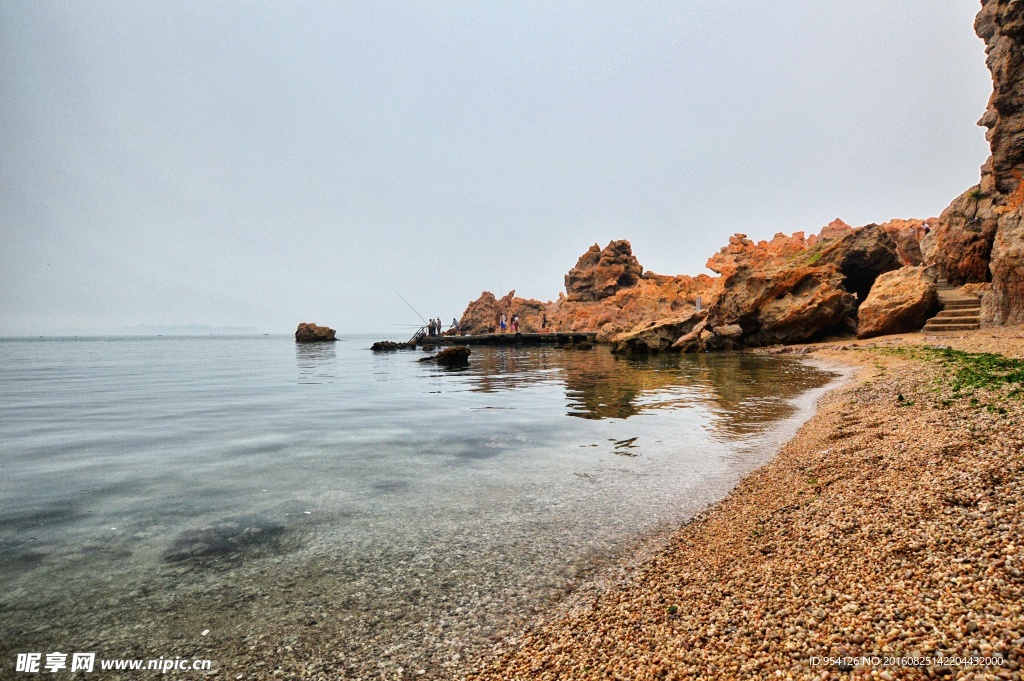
[[412, 308]]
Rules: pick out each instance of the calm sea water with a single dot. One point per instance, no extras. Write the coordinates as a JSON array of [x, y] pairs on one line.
[[396, 502]]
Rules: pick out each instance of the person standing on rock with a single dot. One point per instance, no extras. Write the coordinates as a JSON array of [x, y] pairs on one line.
[[455, 326], [431, 328], [504, 322]]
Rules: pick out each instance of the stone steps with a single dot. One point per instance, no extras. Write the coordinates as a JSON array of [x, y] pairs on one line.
[[959, 312], [961, 304], [952, 327], [952, 321]]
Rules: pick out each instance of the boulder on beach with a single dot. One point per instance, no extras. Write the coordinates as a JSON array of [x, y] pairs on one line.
[[785, 303], [655, 336], [899, 302], [311, 333]]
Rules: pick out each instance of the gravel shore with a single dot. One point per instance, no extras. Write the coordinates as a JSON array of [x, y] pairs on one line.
[[886, 540]]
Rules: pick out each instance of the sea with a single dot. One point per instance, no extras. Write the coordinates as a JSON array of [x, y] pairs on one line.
[[266, 504]]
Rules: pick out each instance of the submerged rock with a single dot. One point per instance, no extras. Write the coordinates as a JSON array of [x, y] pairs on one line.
[[311, 333], [390, 346], [455, 356], [899, 302], [234, 541]]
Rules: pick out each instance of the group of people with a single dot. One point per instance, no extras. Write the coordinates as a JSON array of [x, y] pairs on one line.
[[505, 325], [435, 328]]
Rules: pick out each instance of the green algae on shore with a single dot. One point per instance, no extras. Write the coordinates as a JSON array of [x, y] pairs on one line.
[[965, 372]]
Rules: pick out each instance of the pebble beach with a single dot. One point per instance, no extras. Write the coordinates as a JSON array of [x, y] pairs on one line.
[[884, 541]]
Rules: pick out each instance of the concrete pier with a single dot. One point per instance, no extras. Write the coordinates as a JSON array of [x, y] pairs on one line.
[[553, 338]]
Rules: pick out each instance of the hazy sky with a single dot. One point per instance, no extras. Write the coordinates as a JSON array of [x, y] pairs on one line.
[[266, 163]]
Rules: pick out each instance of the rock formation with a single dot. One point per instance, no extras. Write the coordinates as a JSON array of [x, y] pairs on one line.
[[741, 251], [794, 288], [483, 314], [781, 302], [607, 292], [791, 288], [311, 333], [600, 273], [652, 298], [960, 242], [861, 255], [389, 346], [906, 234], [656, 336], [900, 301], [455, 356], [1000, 23]]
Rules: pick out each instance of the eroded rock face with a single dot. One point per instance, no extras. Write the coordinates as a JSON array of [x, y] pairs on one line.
[[1001, 25], [795, 288], [599, 273], [861, 255], [907, 234], [311, 333], [781, 304], [652, 298], [1004, 304], [655, 336], [741, 251], [483, 315], [900, 301], [960, 243]]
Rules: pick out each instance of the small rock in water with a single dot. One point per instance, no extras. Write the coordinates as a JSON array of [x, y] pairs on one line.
[[311, 333], [457, 355]]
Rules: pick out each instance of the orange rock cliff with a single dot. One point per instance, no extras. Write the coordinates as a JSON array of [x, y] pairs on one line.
[[798, 288]]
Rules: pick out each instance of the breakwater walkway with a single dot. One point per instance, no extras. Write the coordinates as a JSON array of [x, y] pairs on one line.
[[553, 338]]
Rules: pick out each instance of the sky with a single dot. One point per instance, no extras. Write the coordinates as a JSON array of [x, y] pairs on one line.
[[261, 164]]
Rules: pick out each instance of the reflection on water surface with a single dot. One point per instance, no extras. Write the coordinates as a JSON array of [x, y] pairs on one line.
[[744, 392]]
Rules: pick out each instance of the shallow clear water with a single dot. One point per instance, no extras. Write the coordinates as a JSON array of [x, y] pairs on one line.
[[139, 472]]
